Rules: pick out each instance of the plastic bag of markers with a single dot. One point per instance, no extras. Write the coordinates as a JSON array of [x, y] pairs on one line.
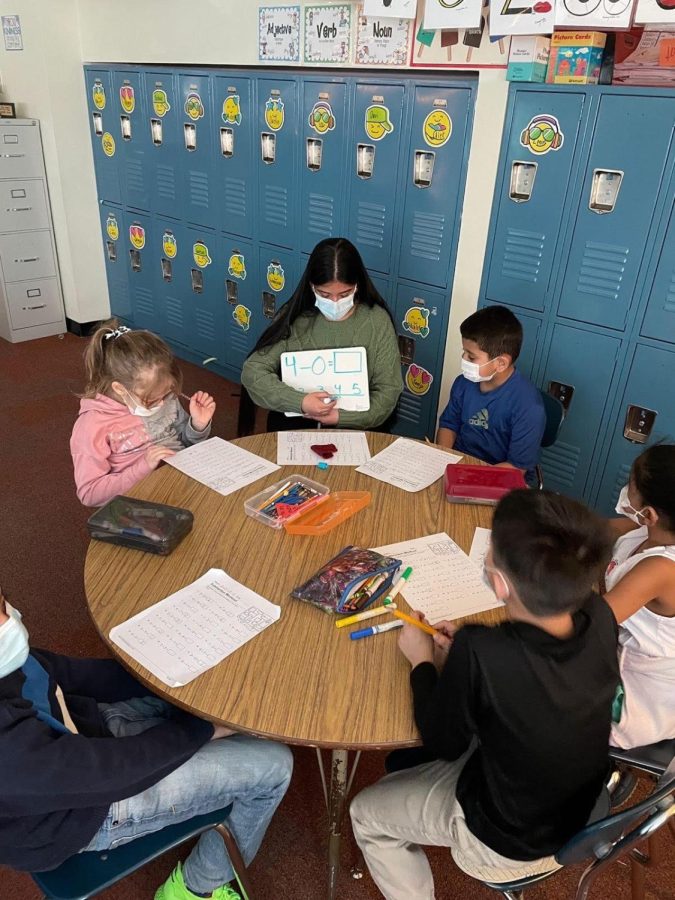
[[335, 587], [140, 525]]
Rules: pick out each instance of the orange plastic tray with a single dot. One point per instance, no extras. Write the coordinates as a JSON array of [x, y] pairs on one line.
[[328, 514]]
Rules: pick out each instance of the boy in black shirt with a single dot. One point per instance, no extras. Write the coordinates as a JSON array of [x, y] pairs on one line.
[[518, 720]]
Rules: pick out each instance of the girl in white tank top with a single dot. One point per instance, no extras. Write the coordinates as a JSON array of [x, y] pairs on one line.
[[640, 588]]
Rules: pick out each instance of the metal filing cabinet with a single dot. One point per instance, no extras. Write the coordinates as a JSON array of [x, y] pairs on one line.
[[31, 303]]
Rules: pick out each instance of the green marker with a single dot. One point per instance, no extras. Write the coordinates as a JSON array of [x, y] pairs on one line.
[[398, 586]]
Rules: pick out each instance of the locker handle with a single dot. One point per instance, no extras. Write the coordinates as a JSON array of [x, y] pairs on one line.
[[12, 155], [19, 208], [209, 359], [639, 424], [39, 306], [27, 259]]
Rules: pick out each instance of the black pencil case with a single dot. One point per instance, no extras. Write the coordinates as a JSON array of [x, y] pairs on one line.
[[141, 525]]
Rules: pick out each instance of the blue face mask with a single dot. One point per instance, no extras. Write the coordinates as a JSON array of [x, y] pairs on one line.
[[14, 647], [334, 310]]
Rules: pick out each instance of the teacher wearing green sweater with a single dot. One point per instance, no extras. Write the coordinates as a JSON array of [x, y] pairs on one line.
[[334, 305]]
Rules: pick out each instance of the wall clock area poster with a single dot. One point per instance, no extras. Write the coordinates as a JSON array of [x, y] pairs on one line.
[[397, 9], [518, 17], [608, 15], [328, 33], [279, 34], [382, 41], [457, 48]]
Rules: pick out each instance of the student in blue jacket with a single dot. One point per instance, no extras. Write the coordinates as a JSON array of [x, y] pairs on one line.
[[91, 761]]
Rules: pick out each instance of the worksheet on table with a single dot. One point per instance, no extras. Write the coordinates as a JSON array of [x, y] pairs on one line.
[[444, 584], [480, 546], [192, 630], [294, 447], [409, 465], [220, 465]]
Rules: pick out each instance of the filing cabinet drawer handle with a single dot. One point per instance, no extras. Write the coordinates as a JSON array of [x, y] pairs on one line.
[[27, 259], [19, 208], [39, 306]]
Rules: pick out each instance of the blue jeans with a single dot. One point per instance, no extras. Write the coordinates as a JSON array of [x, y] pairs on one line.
[[251, 774]]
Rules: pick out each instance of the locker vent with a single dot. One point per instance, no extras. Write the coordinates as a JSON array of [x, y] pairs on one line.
[[410, 408], [166, 183], [239, 341], [320, 215], [120, 304], [427, 236], [602, 268], [206, 324], [143, 302], [198, 189], [235, 196], [276, 205], [560, 463], [523, 254], [622, 476], [370, 224], [134, 177], [669, 305], [174, 313]]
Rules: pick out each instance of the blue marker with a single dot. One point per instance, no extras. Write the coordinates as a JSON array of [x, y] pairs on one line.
[[375, 629]]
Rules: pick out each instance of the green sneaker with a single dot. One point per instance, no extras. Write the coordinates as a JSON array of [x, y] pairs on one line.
[[174, 888]]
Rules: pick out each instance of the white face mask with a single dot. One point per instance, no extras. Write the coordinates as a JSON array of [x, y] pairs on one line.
[[334, 309], [623, 507], [471, 371], [140, 410], [13, 642], [486, 579]]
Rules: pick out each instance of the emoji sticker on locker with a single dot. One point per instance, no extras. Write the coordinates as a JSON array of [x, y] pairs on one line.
[[98, 95], [194, 108], [418, 380], [169, 245], [242, 316], [237, 266], [378, 123], [274, 113], [127, 98], [200, 254], [276, 277], [437, 128], [137, 236], [542, 134], [160, 103], [112, 228], [416, 321], [108, 144], [231, 114], [321, 118]]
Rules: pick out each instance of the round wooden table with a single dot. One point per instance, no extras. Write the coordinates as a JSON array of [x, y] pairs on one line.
[[302, 681]]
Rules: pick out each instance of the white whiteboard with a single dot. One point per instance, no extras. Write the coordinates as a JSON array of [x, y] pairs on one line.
[[342, 372]]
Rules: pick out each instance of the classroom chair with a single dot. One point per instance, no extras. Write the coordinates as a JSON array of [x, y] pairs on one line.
[[555, 415], [85, 875], [604, 841]]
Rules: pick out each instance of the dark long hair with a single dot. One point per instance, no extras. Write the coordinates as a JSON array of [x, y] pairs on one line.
[[333, 259], [654, 476]]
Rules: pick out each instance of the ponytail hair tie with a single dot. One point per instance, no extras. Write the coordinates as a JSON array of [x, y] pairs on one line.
[[116, 332]]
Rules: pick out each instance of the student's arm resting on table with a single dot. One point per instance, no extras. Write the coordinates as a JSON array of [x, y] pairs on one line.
[[95, 482], [260, 377], [104, 680], [651, 578], [385, 382]]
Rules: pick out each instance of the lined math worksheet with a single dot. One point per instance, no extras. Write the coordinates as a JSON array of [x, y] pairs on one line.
[[409, 465], [220, 465], [294, 448]]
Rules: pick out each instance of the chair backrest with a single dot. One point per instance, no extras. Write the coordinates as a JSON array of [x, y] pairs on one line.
[[555, 414], [595, 840]]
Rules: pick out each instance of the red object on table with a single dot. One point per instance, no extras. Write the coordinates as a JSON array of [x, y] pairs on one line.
[[325, 451], [480, 484]]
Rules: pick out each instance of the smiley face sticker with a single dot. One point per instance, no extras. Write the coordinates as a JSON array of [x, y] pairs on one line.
[[236, 266], [437, 128], [169, 245], [231, 114], [416, 321], [276, 277], [542, 134], [418, 380], [200, 254], [127, 98], [137, 236], [108, 143], [194, 108], [98, 94], [377, 122], [242, 316], [160, 102], [274, 113], [111, 227], [321, 118]]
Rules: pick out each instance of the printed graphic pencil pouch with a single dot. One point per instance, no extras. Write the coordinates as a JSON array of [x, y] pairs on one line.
[[350, 581]]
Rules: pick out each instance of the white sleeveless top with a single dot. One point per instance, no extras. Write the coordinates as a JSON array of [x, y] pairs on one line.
[[647, 657]]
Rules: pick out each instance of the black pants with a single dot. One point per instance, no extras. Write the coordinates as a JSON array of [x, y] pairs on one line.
[[277, 421]]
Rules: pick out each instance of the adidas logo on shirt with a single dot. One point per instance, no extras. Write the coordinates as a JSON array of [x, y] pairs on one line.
[[480, 420]]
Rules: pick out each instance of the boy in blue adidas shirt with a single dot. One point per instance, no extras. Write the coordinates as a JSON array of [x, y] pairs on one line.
[[494, 412]]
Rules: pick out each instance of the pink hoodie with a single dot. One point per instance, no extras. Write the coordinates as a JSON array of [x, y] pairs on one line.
[[108, 445]]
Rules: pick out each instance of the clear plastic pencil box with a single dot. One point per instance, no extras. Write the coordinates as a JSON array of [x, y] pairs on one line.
[[140, 525]]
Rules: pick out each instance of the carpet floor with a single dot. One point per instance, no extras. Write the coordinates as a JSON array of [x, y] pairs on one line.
[[42, 549]]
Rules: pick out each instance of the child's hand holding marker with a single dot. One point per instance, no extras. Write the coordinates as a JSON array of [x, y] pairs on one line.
[[202, 407], [416, 639]]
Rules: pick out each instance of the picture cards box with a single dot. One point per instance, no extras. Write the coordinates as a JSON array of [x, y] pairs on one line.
[[528, 57], [576, 57]]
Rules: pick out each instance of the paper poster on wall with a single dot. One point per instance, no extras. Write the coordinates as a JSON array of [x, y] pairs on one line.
[[11, 30], [400, 9], [328, 33], [517, 17], [279, 34], [607, 15], [452, 13], [655, 12], [382, 41], [453, 48]]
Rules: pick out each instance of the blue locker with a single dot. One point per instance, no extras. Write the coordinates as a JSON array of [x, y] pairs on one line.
[[421, 327], [104, 133], [324, 126], [526, 232], [166, 142], [383, 285], [202, 281], [170, 255], [233, 151], [199, 196], [532, 329], [434, 182], [586, 362], [133, 138], [373, 160], [139, 254], [277, 134], [276, 279], [114, 254], [239, 264], [609, 239], [649, 388], [659, 320]]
